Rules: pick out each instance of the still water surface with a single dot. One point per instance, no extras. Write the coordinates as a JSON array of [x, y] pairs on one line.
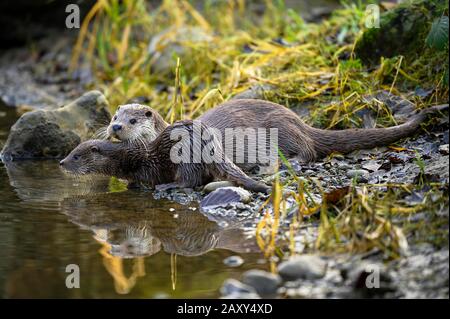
[[126, 243]]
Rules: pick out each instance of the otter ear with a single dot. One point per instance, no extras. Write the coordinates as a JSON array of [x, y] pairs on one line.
[[148, 114], [95, 149]]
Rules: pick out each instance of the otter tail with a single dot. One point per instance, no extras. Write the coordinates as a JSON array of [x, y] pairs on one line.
[[345, 141]]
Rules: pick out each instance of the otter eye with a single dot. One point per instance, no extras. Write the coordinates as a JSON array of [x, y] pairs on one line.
[[94, 149], [148, 114], [115, 117], [133, 121], [76, 157]]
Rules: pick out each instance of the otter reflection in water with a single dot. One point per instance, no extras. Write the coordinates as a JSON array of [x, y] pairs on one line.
[[131, 225], [42, 181]]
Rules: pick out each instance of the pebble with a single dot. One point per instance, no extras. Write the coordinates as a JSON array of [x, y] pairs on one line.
[[443, 149], [265, 283], [304, 266], [361, 175], [233, 261]]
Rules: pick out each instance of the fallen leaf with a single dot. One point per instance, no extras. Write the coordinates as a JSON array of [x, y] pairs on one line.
[[334, 196]]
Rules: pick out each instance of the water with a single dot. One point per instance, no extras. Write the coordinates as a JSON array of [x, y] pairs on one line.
[[126, 243]]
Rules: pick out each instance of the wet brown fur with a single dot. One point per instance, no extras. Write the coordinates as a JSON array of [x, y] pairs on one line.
[[295, 138], [152, 165]]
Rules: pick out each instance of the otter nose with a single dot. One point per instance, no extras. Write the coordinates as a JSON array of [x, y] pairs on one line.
[[61, 163], [116, 127]]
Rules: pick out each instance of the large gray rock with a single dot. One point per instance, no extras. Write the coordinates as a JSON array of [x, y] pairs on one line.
[[302, 267], [53, 133]]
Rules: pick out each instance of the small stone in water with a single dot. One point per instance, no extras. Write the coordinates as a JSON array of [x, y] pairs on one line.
[[175, 215], [233, 261], [171, 209]]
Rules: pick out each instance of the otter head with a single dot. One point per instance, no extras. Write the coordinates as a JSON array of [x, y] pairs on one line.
[[90, 157], [136, 122]]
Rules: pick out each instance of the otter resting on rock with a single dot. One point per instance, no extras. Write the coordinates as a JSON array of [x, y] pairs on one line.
[[141, 124], [164, 163]]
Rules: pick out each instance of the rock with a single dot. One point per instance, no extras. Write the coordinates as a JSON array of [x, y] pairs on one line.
[[400, 108], [265, 283], [302, 267], [371, 166], [233, 287], [225, 196], [168, 44], [443, 149], [404, 28], [361, 175], [233, 261], [439, 167], [215, 185], [54, 133]]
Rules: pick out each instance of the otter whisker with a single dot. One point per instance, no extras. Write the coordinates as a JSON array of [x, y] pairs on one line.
[[101, 133]]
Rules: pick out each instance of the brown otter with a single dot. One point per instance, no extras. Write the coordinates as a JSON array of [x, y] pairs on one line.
[[154, 165], [136, 122], [295, 138]]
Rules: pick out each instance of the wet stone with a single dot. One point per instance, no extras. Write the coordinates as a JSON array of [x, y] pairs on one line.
[[265, 283], [53, 133], [233, 261], [226, 195]]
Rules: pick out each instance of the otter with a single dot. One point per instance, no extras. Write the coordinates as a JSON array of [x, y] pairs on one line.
[[154, 165], [295, 138]]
